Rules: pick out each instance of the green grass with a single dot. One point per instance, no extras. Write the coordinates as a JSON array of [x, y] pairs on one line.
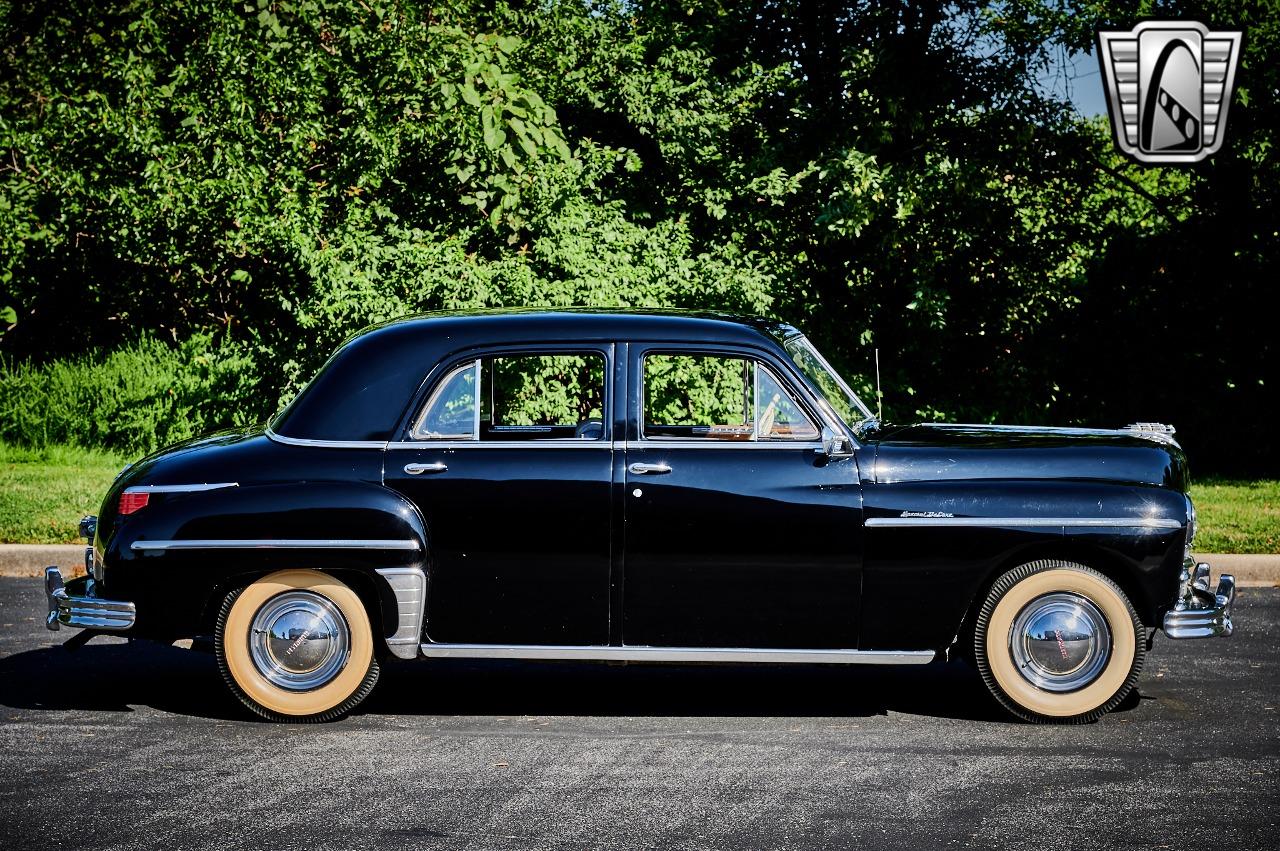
[[45, 492], [1237, 515]]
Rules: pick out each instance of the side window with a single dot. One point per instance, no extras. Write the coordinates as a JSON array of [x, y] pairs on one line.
[[518, 397], [702, 396], [543, 396], [778, 415], [719, 398], [450, 412]]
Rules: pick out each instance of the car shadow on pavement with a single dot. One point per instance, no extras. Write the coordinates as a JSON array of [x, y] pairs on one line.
[[115, 677]]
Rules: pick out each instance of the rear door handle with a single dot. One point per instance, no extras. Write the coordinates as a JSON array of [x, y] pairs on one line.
[[419, 469], [649, 469]]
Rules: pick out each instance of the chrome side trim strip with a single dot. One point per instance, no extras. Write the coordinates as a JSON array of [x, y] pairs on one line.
[[192, 488], [1145, 523], [679, 654], [556, 443], [276, 544], [409, 585], [714, 443], [327, 444]]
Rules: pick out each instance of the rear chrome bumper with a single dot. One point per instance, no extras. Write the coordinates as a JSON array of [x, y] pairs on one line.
[[84, 611], [1199, 612]]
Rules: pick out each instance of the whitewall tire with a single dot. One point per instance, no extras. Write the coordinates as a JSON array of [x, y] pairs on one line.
[[1058, 642], [296, 645]]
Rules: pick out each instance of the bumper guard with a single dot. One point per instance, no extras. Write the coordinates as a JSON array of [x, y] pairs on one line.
[[1199, 612], [84, 611]]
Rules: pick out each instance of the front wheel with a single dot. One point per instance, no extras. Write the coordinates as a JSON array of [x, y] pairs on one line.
[[1058, 642], [296, 645]]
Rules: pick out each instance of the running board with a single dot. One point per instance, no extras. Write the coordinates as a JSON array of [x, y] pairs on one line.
[[770, 656]]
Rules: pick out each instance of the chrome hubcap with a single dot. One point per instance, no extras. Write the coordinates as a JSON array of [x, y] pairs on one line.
[[299, 640], [1060, 642]]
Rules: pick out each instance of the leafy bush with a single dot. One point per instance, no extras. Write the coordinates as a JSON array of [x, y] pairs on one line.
[[887, 176], [47, 490], [134, 399]]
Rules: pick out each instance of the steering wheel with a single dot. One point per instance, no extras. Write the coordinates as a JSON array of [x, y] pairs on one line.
[[589, 430], [768, 415]]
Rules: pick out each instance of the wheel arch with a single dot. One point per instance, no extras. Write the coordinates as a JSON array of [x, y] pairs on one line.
[[374, 591], [279, 516], [1100, 558]]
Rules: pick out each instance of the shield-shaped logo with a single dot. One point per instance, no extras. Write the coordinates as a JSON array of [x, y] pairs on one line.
[[1168, 88]]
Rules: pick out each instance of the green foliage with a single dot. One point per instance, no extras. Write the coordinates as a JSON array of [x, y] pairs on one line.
[[519, 390], [1237, 516], [46, 491], [545, 390], [302, 169], [132, 400], [518, 131], [886, 175], [686, 390]]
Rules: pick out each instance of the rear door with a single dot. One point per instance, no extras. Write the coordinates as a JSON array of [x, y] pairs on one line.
[[510, 463], [738, 531]]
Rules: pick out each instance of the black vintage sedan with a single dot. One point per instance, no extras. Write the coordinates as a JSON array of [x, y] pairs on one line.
[[641, 487]]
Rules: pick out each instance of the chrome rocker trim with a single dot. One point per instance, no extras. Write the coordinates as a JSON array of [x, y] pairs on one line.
[[275, 544], [678, 654], [87, 612], [1199, 612], [409, 586]]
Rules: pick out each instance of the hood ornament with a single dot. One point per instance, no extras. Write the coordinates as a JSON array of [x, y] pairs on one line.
[[1151, 428]]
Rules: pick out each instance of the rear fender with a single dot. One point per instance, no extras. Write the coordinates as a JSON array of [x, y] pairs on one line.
[[181, 554]]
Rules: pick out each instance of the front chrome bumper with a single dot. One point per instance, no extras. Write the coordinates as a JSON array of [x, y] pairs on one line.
[[84, 611], [1199, 612]]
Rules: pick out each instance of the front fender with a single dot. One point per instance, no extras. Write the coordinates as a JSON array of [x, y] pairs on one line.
[[177, 557], [933, 548]]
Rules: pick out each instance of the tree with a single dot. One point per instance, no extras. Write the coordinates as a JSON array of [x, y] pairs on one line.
[[886, 176]]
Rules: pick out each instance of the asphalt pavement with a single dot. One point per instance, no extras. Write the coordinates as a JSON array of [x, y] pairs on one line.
[[138, 746]]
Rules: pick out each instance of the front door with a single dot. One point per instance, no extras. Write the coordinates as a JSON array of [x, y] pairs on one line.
[[510, 462], [738, 531]]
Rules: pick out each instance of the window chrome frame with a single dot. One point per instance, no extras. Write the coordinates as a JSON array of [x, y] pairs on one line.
[[804, 400], [825, 403], [416, 431], [549, 443], [606, 350], [790, 393]]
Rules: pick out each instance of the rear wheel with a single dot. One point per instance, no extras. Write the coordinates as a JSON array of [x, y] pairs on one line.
[[1058, 642], [296, 645]]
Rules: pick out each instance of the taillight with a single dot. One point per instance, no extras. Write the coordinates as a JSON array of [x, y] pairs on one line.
[[131, 501]]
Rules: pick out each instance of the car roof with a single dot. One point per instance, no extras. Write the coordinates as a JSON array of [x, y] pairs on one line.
[[600, 323], [361, 393]]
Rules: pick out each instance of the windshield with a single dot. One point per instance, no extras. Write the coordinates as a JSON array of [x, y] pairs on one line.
[[842, 401]]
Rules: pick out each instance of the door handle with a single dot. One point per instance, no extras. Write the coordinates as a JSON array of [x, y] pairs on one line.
[[649, 469], [419, 469]]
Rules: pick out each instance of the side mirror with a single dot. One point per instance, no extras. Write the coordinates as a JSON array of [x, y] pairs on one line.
[[835, 445]]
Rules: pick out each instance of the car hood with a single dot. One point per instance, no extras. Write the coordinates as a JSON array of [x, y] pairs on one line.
[[943, 451]]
